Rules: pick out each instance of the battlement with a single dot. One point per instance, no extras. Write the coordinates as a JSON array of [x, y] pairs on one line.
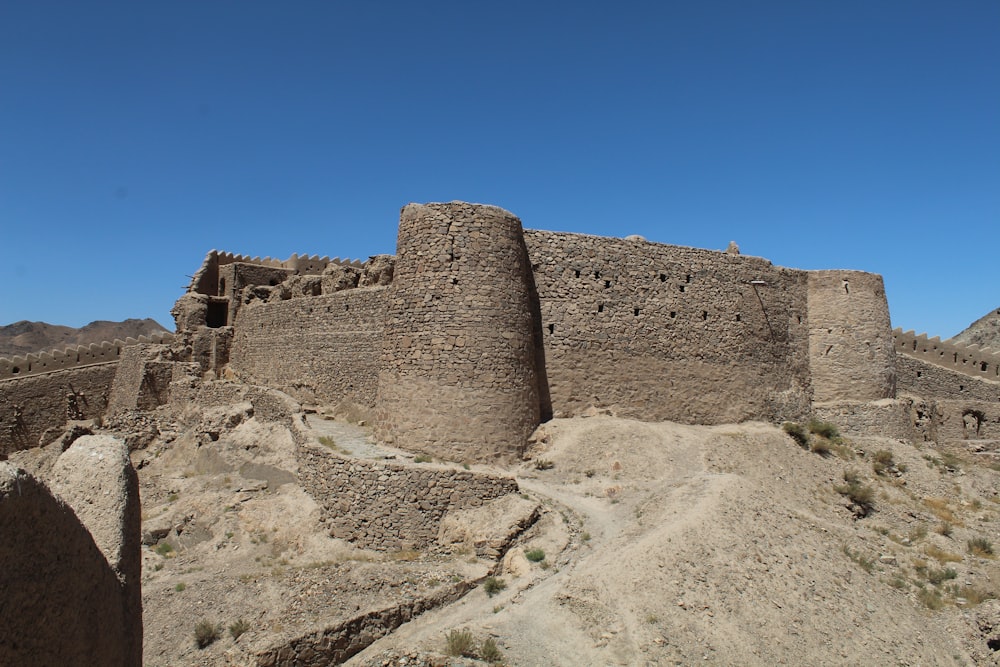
[[75, 356], [971, 360], [205, 278]]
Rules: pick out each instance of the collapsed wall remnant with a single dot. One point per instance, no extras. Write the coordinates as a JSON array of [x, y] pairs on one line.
[[70, 552]]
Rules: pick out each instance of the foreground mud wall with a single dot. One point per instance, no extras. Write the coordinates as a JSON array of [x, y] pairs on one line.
[[318, 349], [662, 332], [69, 585], [458, 376]]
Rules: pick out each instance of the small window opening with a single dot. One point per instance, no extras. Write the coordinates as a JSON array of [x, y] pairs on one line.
[[597, 274], [577, 272], [18, 370], [961, 387], [920, 374], [600, 307], [347, 306], [704, 314], [454, 281], [272, 282], [737, 317], [663, 277], [982, 366], [607, 284], [222, 285], [800, 319], [682, 288], [635, 311], [687, 278], [552, 328], [673, 314]]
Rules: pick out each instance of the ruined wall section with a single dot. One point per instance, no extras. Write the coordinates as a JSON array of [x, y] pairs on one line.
[[965, 407], [850, 338], [970, 360], [32, 405], [458, 376], [75, 356], [661, 332], [321, 349], [389, 506], [206, 278], [41, 392]]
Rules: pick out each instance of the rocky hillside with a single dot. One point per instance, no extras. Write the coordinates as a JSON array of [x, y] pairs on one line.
[[985, 331], [26, 337]]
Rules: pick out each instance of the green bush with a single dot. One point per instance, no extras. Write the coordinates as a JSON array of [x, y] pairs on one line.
[[980, 546], [493, 585], [238, 628], [882, 462], [535, 555], [824, 429], [489, 651], [163, 548], [205, 632], [422, 458], [797, 433], [459, 643], [860, 495]]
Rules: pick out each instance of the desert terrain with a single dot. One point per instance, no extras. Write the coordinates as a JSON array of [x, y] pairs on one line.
[[655, 544]]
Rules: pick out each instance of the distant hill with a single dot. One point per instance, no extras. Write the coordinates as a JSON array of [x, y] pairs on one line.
[[27, 337], [984, 332]]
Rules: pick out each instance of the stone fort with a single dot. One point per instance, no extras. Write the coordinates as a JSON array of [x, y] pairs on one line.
[[477, 330]]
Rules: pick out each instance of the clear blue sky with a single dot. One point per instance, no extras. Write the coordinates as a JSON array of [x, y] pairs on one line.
[[136, 136]]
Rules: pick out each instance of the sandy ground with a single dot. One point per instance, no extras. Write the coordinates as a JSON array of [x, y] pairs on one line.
[[663, 544]]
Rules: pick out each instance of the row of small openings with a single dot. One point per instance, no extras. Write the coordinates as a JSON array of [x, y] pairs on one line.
[[638, 311], [607, 283]]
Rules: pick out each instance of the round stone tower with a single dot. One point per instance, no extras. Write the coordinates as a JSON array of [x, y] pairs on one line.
[[457, 376], [851, 355]]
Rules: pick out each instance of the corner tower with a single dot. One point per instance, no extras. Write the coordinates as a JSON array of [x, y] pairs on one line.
[[458, 376], [851, 355]]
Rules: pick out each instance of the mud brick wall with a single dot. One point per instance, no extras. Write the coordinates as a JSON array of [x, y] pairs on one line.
[[850, 337], [387, 506], [458, 376], [662, 332], [31, 405], [317, 349]]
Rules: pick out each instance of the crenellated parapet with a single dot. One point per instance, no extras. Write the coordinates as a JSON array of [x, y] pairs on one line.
[[971, 360], [205, 279], [75, 356]]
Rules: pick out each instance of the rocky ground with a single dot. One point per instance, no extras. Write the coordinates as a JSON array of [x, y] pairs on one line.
[[658, 544]]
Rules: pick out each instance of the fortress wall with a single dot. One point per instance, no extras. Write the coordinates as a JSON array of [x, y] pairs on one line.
[[458, 376], [971, 360], [31, 405], [967, 407], [850, 338], [206, 279], [919, 378], [387, 506], [75, 356], [318, 349], [661, 332]]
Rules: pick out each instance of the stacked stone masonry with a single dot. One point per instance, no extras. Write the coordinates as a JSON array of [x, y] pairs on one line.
[[457, 375], [971, 360], [386, 506]]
